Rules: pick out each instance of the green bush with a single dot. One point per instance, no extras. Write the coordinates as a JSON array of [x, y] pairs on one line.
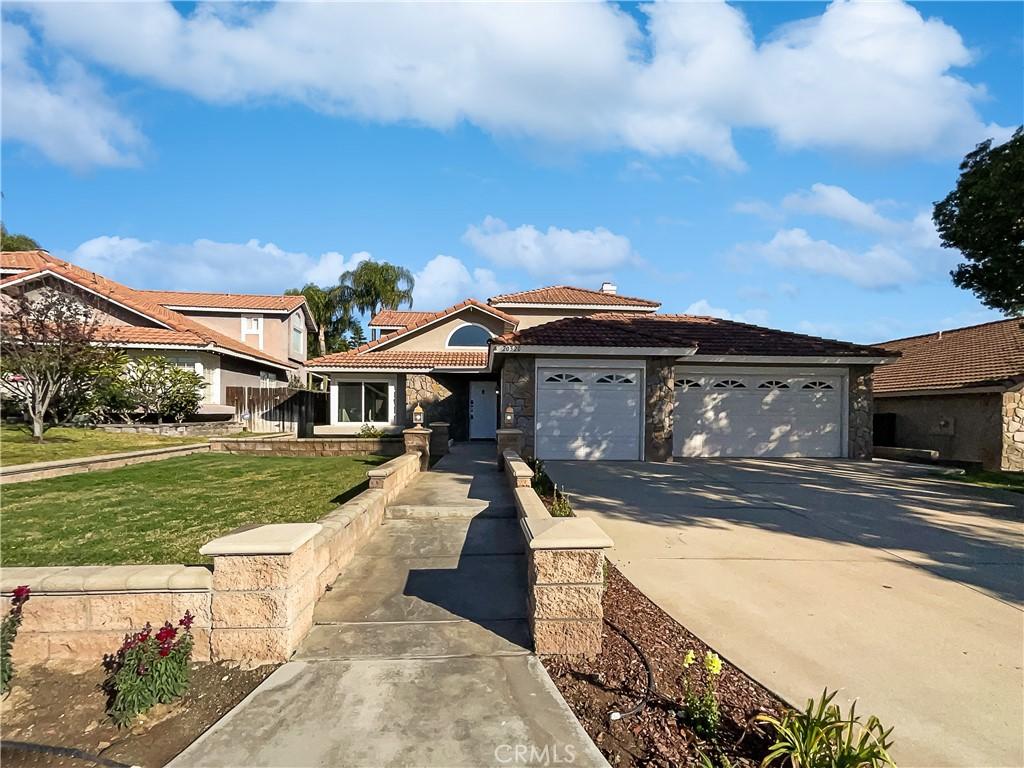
[[368, 430], [541, 482], [8, 632], [821, 737], [560, 506], [700, 709], [162, 389], [149, 668]]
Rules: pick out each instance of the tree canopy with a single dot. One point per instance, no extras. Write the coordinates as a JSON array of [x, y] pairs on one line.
[[377, 285], [9, 242], [983, 218], [331, 309]]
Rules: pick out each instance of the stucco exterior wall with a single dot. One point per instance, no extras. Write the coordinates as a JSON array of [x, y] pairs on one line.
[[959, 427], [1012, 459], [241, 373], [276, 331], [518, 389], [435, 337], [444, 397]]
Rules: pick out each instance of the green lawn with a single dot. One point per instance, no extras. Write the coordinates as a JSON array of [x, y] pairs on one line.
[[18, 447], [1007, 481], [163, 511]]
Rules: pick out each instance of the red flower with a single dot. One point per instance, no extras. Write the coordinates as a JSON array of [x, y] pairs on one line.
[[21, 593], [164, 650], [166, 634], [186, 621]]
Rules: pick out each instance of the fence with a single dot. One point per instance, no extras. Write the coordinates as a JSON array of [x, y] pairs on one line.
[[278, 410]]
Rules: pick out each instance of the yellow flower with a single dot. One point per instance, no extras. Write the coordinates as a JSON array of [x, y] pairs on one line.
[[713, 663], [688, 659]]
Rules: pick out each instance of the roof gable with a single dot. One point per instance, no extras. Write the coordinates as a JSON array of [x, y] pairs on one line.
[[240, 301], [569, 296]]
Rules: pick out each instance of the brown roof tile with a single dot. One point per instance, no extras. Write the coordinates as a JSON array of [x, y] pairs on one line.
[[992, 353], [567, 295], [271, 303], [710, 335], [402, 360], [25, 259], [398, 318]]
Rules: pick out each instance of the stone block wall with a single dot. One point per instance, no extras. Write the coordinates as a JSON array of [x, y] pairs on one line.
[[518, 390], [444, 397], [1013, 432], [310, 446], [659, 402], [184, 429], [860, 441]]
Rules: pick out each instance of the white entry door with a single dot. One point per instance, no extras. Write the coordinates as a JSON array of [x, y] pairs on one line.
[[770, 413], [588, 413], [483, 410]]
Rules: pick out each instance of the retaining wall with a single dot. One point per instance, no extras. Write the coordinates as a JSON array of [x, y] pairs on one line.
[[184, 429], [310, 446], [23, 473]]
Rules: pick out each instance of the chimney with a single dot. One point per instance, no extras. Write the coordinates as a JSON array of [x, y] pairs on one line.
[[607, 287]]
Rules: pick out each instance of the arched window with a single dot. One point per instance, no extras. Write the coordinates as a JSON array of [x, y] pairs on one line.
[[817, 385], [616, 378], [685, 384], [729, 384], [469, 336], [773, 384], [563, 378]]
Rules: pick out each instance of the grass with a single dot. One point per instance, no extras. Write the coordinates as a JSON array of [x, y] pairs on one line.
[[17, 445], [1006, 481], [163, 511]]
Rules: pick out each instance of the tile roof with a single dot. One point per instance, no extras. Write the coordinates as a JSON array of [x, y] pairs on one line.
[[710, 335], [398, 318], [403, 360], [269, 303], [25, 259], [567, 295], [992, 353], [189, 331]]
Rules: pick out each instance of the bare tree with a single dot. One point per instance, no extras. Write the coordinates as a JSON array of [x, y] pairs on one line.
[[49, 349]]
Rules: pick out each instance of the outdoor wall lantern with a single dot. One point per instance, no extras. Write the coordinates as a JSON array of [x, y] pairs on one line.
[[417, 415], [509, 418]]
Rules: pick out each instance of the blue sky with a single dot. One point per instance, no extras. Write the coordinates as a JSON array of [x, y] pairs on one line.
[[772, 162]]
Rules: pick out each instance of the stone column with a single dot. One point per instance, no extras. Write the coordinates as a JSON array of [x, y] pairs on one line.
[[417, 440], [1012, 419], [517, 384], [659, 402], [439, 437], [508, 439], [861, 437]]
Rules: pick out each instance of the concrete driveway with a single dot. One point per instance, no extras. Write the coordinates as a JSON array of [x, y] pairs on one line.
[[904, 591]]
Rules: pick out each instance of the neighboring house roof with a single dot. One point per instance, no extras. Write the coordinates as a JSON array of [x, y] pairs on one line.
[[404, 360], [980, 355], [245, 301], [568, 296], [710, 336], [187, 332], [398, 318], [19, 261]]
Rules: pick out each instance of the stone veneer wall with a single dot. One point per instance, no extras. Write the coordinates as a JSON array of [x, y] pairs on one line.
[[444, 397], [254, 608], [311, 446], [1013, 432], [518, 390], [659, 403], [184, 429], [861, 440]]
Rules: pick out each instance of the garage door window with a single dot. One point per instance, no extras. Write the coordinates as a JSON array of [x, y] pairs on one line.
[[817, 385], [773, 384], [616, 378], [563, 378], [729, 384], [685, 384]]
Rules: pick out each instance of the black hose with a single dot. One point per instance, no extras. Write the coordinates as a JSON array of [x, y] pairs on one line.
[[77, 754], [650, 690]]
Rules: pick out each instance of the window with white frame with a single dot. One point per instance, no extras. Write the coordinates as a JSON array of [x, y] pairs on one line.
[[297, 333], [469, 336], [362, 401]]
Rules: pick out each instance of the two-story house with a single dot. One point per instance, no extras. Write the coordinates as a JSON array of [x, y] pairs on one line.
[[591, 374], [228, 339]]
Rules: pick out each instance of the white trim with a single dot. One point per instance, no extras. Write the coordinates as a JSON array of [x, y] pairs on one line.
[[790, 359], [258, 333], [447, 341], [230, 310], [86, 288], [252, 358], [385, 327], [575, 362], [545, 349], [946, 392], [407, 329], [215, 384], [390, 380], [402, 369], [595, 307]]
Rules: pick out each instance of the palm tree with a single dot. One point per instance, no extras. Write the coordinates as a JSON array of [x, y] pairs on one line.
[[331, 309], [377, 285]]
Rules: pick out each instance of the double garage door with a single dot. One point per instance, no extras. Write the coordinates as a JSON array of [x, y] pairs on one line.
[[597, 413]]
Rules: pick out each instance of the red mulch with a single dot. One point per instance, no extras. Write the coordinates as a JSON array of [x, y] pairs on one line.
[[616, 680]]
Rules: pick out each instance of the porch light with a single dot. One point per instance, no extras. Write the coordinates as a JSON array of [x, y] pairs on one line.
[[417, 415], [509, 417]]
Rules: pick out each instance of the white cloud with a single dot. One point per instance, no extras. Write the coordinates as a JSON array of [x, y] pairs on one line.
[[758, 208], [703, 307], [67, 116], [877, 267], [837, 203], [207, 265], [556, 254], [871, 77], [445, 280]]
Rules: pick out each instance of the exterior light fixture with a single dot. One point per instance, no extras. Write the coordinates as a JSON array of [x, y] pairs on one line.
[[417, 415], [509, 417]]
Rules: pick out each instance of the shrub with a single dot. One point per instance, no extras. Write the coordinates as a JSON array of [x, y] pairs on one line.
[[560, 506], [149, 668], [821, 737], [368, 430], [700, 710], [161, 388], [541, 482], [8, 631]]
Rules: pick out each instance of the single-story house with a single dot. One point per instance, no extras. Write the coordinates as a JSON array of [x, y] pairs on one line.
[[596, 375], [958, 392], [228, 339]]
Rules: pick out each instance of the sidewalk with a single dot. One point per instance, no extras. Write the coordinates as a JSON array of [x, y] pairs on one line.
[[420, 652]]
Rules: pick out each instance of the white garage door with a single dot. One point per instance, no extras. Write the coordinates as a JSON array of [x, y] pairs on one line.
[[588, 413], [764, 414]]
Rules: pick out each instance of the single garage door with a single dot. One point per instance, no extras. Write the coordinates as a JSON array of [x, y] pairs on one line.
[[765, 414], [588, 413]]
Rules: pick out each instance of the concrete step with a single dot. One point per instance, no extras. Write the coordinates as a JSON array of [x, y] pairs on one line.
[[446, 537], [416, 640], [469, 509]]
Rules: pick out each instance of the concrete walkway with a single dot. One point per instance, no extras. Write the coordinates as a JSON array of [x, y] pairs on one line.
[[420, 651]]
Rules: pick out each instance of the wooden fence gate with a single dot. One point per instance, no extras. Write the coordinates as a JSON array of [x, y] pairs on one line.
[[282, 409]]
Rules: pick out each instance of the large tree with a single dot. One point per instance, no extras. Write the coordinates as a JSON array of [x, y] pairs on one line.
[[377, 285], [983, 218], [9, 242], [331, 309], [48, 352]]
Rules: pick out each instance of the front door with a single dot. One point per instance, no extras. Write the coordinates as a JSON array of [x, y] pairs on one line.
[[483, 410]]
